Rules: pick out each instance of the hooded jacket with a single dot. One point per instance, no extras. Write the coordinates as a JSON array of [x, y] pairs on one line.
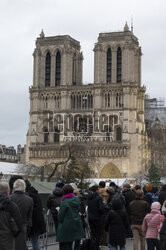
[[152, 221], [96, 206], [38, 222], [69, 222], [116, 224], [54, 201], [8, 210]]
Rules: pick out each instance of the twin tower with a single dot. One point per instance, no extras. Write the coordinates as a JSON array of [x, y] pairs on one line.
[[107, 115], [58, 60]]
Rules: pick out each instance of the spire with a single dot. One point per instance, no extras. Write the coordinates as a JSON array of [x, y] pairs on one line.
[[42, 35], [126, 27], [131, 24]]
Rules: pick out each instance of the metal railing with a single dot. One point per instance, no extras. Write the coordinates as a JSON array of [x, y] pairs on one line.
[[48, 238]]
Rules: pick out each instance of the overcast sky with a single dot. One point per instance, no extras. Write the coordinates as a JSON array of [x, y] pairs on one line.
[[21, 22]]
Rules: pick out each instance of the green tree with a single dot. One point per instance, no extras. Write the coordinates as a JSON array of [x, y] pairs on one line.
[[76, 171], [153, 175], [70, 171]]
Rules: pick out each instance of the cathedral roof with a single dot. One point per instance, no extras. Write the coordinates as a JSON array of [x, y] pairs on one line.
[[60, 39]]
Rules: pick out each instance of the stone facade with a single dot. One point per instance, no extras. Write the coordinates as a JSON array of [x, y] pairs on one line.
[[107, 116]]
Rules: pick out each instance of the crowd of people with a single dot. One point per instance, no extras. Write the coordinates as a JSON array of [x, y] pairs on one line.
[[84, 219], [21, 215]]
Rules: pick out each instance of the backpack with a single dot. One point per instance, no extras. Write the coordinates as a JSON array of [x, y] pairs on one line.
[[120, 197], [154, 196]]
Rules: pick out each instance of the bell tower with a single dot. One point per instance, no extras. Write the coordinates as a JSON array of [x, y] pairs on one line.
[[117, 58], [57, 61]]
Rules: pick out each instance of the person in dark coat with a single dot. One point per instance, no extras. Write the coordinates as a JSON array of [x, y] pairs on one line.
[[163, 228], [115, 195], [13, 178], [69, 222], [96, 209], [10, 219], [149, 193], [54, 201], [116, 188], [38, 222], [162, 195], [25, 205], [138, 209], [129, 196], [116, 224]]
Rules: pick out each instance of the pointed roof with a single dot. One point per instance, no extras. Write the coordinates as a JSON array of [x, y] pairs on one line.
[[42, 35], [126, 27]]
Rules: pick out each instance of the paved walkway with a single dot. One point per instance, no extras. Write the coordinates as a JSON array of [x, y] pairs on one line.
[[129, 246]]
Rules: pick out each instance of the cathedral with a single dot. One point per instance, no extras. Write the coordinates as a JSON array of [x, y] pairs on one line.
[[107, 117]]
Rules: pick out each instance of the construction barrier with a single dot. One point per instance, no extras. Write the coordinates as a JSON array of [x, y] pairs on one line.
[[48, 238]]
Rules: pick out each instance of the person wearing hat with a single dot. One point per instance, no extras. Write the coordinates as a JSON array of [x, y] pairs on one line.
[[149, 194], [129, 196], [104, 195], [38, 221], [96, 209], [116, 224], [150, 226], [54, 201]]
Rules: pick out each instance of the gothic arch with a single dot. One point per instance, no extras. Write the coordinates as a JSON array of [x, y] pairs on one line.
[[56, 135], [58, 68], [110, 171], [45, 135], [119, 65], [47, 50], [55, 50], [118, 131], [47, 69], [109, 65], [106, 47]]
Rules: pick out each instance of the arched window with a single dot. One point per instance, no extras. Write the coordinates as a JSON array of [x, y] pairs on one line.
[[58, 69], [118, 134], [45, 135], [109, 65], [48, 70], [56, 135], [117, 99], [119, 65], [108, 100], [73, 101], [79, 101], [74, 70], [91, 101]]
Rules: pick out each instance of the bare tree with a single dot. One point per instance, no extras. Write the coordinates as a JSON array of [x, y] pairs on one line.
[[55, 169]]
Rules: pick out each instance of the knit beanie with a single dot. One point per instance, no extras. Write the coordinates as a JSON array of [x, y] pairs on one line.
[[59, 184], [156, 205], [148, 188]]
